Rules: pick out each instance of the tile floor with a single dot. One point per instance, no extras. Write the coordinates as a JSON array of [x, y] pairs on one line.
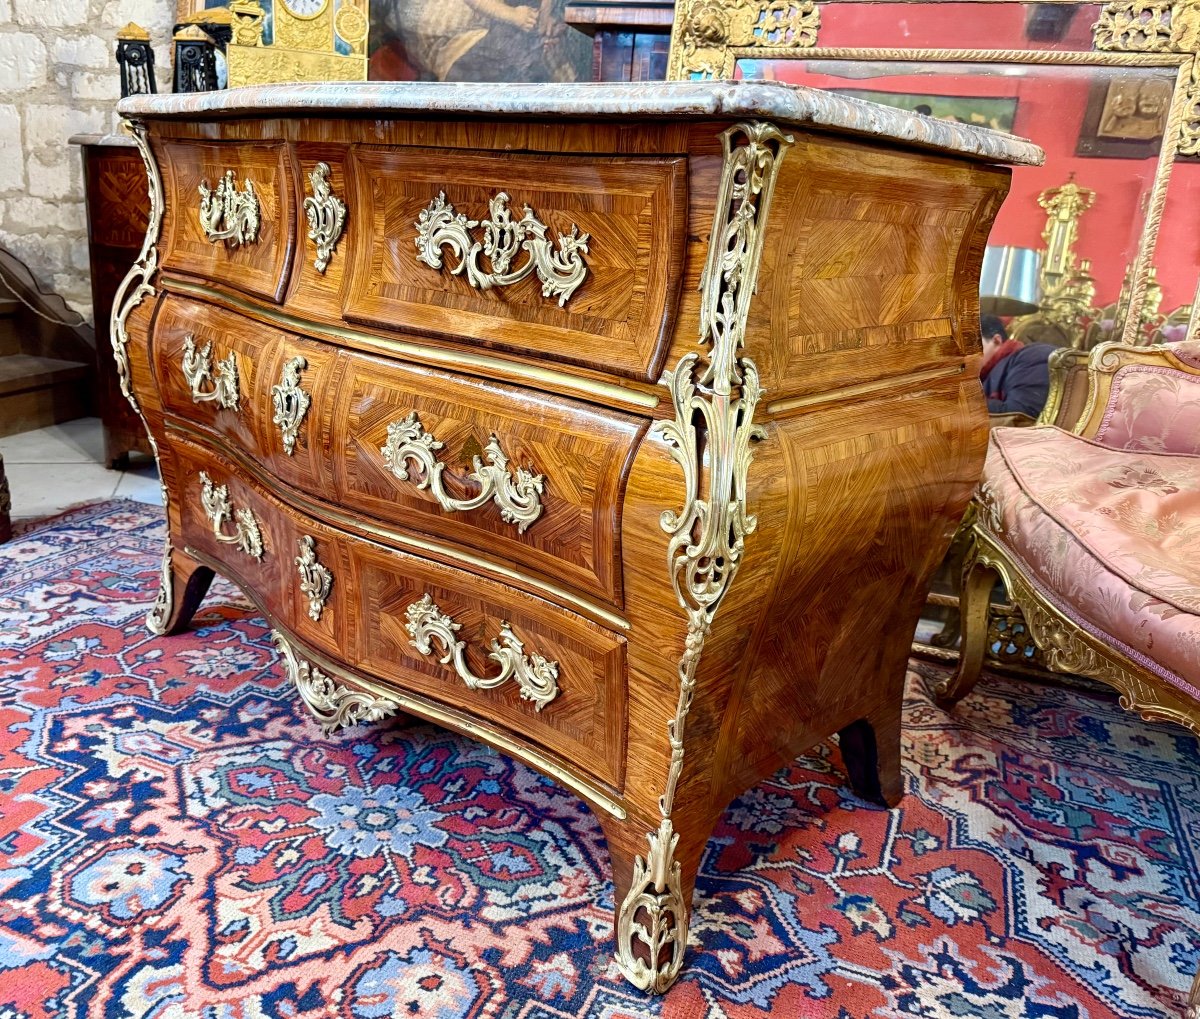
[[52, 468]]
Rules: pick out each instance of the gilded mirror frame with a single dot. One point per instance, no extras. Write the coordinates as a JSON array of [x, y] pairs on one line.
[[708, 37]]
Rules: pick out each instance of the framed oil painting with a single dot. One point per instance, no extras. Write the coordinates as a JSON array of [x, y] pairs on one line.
[[476, 40], [998, 112], [461, 40]]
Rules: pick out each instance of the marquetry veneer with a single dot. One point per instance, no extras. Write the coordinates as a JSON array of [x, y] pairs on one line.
[[492, 396]]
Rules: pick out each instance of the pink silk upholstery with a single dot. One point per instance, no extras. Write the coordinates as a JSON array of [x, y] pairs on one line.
[[1151, 408], [1188, 353], [1112, 536]]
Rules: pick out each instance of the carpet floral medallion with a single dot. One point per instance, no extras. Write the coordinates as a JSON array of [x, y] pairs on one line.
[[177, 840]]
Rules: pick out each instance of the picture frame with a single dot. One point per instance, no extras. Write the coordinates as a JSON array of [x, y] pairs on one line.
[[185, 9]]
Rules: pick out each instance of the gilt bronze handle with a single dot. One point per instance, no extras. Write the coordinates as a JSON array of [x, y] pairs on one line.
[[537, 677], [217, 507], [227, 214], [518, 494], [198, 371], [504, 240]]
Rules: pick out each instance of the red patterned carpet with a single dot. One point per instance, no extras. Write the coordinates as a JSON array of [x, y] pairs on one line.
[[177, 840]]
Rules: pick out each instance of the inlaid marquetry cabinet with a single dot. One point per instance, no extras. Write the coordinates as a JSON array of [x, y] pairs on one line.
[[619, 427]]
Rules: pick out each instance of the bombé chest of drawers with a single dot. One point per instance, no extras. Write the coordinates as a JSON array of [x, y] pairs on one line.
[[619, 427]]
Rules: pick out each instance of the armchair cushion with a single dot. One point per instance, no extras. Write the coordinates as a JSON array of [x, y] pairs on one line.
[[1152, 408], [1111, 537]]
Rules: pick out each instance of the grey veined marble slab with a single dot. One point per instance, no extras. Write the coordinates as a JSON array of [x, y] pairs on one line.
[[786, 105]]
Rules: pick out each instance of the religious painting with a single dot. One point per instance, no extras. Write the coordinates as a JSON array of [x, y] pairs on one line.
[[444, 40], [1125, 117], [476, 40], [997, 112]]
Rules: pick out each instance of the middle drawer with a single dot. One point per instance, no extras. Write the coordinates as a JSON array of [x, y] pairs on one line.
[[516, 475]]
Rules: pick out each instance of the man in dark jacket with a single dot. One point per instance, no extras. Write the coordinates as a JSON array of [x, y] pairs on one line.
[[1015, 376]]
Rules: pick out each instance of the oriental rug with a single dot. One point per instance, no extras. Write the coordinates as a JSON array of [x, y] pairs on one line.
[[179, 840]]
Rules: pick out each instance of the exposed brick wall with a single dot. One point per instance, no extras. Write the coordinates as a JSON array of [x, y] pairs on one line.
[[59, 77]]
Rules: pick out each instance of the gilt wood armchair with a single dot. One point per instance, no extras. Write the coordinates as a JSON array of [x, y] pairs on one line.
[[1092, 522]]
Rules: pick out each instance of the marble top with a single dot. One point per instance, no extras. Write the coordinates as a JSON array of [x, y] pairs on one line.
[[794, 105], [95, 138]]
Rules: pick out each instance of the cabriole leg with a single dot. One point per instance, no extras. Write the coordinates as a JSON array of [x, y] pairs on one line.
[[871, 752], [183, 586], [654, 875]]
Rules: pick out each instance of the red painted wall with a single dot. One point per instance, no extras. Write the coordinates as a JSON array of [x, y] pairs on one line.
[[947, 25]]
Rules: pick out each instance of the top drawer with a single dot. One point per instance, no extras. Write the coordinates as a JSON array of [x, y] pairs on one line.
[[417, 207], [250, 231]]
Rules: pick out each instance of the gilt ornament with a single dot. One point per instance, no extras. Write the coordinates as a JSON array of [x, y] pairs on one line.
[[561, 271], [516, 493], [714, 403], [227, 214], [326, 214], [534, 675]]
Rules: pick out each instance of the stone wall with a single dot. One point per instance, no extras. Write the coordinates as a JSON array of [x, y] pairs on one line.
[[59, 77]]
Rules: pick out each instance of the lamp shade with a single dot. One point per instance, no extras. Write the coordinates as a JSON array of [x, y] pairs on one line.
[[1009, 283]]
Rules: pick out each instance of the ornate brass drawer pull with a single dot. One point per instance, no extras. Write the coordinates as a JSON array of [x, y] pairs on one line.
[[246, 534], [227, 214], [326, 216], [561, 272], [290, 401], [315, 580], [518, 496], [537, 677], [197, 370]]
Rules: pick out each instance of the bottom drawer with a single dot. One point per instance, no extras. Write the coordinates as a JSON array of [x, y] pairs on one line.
[[546, 674]]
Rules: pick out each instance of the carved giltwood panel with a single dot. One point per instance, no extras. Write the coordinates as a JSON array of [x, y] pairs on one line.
[[706, 31]]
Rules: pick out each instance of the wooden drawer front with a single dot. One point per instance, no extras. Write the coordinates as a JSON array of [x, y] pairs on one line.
[[633, 211], [361, 617], [258, 266], [263, 359], [585, 720], [250, 541], [580, 453]]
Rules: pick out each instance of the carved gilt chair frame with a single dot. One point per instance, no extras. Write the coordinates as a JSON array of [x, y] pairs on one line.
[[1081, 384]]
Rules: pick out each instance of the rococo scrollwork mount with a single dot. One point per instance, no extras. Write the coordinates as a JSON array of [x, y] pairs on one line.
[[131, 292], [714, 404], [561, 272]]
